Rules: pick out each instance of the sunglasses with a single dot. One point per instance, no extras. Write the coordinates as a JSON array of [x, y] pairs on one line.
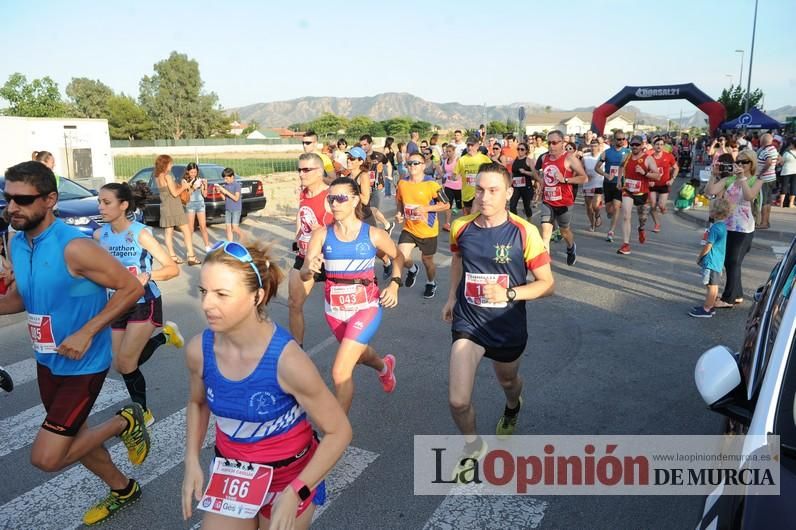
[[240, 253], [22, 200], [415, 163], [307, 169], [352, 158], [635, 144], [554, 142], [744, 162], [307, 143], [620, 139], [521, 149], [341, 198]]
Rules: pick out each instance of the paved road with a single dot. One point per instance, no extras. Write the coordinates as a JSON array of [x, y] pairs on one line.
[[612, 351]]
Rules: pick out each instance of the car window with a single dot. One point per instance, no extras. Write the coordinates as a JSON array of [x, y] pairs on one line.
[[784, 421], [71, 190], [145, 175], [211, 173]]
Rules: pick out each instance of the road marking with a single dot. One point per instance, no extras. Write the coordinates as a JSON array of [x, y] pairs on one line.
[[20, 429], [61, 501], [321, 345], [487, 512], [348, 469], [22, 372]]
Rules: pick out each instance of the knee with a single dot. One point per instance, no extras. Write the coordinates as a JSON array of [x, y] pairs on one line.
[[124, 364], [459, 404], [47, 462], [509, 383], [341, 374]]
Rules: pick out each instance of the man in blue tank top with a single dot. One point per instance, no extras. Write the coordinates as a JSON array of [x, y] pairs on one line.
[[608, 167], [61, 279]]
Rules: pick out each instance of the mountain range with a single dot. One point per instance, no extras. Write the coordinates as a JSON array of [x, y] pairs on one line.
[[446, 115]]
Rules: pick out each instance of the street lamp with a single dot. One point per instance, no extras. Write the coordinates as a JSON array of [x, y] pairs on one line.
[[751, 59], [740, 73]]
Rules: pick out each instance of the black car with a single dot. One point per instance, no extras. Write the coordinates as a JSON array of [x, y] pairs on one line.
[[251, 191]]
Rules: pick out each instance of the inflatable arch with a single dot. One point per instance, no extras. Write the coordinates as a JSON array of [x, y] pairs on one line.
[[715, 110]]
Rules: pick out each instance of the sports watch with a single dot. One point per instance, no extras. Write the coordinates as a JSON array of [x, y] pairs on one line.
[[511, 294], [397, 281], [301, 489]]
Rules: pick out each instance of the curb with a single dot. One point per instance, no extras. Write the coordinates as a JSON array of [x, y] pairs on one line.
[[778, 236]]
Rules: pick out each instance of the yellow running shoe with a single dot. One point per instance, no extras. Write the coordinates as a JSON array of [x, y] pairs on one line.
[[149, 419], [136, 435], [111, 504], [507, 423], [173, 335], [463, 464]]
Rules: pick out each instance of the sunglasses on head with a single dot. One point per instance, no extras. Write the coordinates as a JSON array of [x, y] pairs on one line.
[[22, 200], [307, 169], [341, 198], [240, 253]]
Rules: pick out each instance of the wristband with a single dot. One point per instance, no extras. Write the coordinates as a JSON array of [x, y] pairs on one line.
[[301, 489]]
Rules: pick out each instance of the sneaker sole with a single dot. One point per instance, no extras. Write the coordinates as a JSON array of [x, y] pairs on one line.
[[176, 333], [138, 415], [126, 504], [392, 368]]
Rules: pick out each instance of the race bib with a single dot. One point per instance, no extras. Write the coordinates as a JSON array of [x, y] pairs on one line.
[[518, 182], [132, 269], [633, 186], [236, 489], [552, 193], [470, 178], [303, 244], [474, 288], [614, 172], [348, 297], [411, 212], [40, 328]]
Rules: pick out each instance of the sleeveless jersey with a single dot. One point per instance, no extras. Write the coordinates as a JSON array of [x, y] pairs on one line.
[[665, 164], [256, 421], [635, 183], [520, 180], [348, 262], [613, 159], [58, 304], [125, 247], [312, 212], [556, 193]]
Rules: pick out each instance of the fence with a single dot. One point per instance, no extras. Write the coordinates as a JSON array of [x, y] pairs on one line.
[[169, 142], [127, 166]]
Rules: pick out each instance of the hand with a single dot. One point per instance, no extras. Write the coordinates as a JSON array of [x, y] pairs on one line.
[[315, 263], [399, 217], [389, 296], [494, 293], [447, 311], [144, 278], [640, 170], [191, 488], [74, 346], [283, 511]]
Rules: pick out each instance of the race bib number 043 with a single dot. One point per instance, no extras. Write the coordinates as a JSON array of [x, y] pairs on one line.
[[236, 489], [348, 297], [474, 288]]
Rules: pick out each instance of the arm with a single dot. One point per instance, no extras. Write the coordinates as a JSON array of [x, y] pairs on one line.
[[652, 169], [704, 252], [168, 269], [576, 166], [714, 185], [196, 421], [675, 170], [174, 189], [440, 206], [364, 186], [314, 258], [11, 302], [598, 168], [456, 278], [749, 193], [86, 259], [204, 188], [382, 241]]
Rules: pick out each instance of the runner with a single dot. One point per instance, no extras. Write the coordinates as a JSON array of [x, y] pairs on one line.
[[313, 214], [659, 192], [458, 143], [493, 251], [61, 279], [522, 182], [637, 170], [375, 171], [608, 166], [353, 304], [417, 201], [593, 189], [251, 375], [560, 170], [309, 143], [135, 247], [452, 183], [467, 169]]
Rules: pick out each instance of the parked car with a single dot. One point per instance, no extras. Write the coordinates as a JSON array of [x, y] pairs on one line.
[[251, 191], [756, 389], [77, 205]]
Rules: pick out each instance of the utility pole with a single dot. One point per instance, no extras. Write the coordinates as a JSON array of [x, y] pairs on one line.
[[751, 59]]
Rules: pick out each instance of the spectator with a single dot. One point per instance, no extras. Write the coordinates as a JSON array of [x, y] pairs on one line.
[[233, 203], [711, 258], [172, 212], [787, 194]]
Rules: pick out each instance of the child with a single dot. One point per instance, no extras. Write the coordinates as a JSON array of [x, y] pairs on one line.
[[711, 258], [233, 204]]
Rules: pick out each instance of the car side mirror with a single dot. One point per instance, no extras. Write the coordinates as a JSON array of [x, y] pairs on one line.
[[717, 376], [94, 192]]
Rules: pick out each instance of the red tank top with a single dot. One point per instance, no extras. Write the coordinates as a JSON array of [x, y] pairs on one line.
[[665, 164], [635, 183], [556, 193], [312, 212]]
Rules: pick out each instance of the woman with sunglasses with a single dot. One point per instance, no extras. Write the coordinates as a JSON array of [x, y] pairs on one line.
[[133, 244], [521, 182], [261, 387], [431, 168], [353, 304], [737, 183]]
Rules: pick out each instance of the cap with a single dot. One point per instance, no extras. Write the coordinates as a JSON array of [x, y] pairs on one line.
[[357, 152], [777, 138]]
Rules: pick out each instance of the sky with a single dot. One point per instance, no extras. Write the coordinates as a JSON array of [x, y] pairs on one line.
[[563, 54]]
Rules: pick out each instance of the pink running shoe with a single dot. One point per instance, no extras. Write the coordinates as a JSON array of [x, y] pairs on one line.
[[388, 380]]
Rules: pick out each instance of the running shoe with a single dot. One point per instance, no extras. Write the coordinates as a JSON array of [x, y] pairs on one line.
[[624, 249], [431, 290], [507, 422], [173, 335], [387, 271], [110, 505], [463, 463], [6, 383], [556, 235], [642, 235], [610, 236], [699, 312], [411, 276], [572, 256], [149, 418], [446, 227], [599, 222], [389, 228], [388, 380], [656, 228], [136, 435]]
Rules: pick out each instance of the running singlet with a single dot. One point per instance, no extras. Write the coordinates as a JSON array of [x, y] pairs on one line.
[[635, 183], [502, 254], [451, 184], [58, 304], [467, 169], [312, 212], [520, 180], [414, 194], [256, 421], [126, 248], [348, 264], [665, 164], [613, 159], [556, 193]]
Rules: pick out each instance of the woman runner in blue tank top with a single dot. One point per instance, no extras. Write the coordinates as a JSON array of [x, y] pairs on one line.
[[347, 249], [135, 247], [254, 378]]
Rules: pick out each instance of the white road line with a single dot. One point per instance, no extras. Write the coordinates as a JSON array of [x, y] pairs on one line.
[[487, 512], [348, 469], [22, 372], [321, 345], [61, 501], [20, 429]]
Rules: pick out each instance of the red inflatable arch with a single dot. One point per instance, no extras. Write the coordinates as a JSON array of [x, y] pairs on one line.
[[715, 110]]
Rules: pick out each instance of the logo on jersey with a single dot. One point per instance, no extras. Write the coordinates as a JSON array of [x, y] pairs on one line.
[[307, 219], [359, 325], [261, 401], [502, 254], [210, 396], [549, 173], [128, 237], [363, 249]]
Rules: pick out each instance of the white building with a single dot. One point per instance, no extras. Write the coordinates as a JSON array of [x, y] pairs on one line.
[[81, 147], [574, 122]]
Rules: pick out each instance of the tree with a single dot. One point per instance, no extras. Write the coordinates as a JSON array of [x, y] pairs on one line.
[[360, 125], [496, 127], [422, 127], [328, 123], [173, 99], [253, 126], [89, 97], [733, 100], [127, 120], [38, 99], [397, 126]]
